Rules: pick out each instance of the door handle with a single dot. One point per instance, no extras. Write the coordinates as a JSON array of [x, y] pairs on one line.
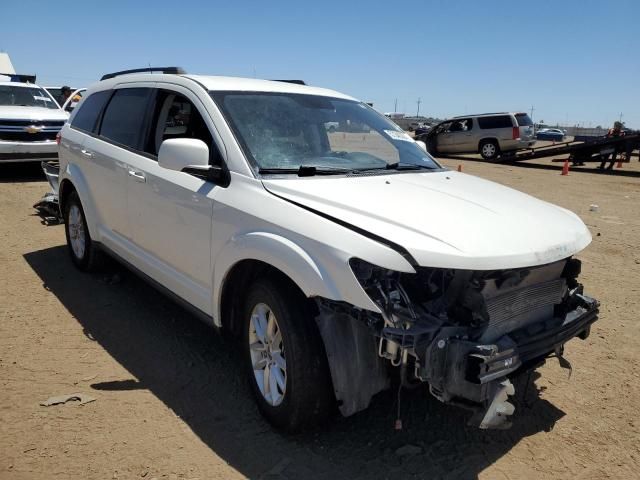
[[138, 176], [87, 153]]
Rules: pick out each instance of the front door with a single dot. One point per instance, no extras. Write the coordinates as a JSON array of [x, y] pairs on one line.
[[170, 212]]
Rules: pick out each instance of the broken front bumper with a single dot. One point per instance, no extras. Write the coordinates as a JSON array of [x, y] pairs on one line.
[[476, 375]]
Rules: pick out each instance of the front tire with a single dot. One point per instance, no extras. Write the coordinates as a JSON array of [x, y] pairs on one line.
[[82, 249], [285, 357], [489, 149]]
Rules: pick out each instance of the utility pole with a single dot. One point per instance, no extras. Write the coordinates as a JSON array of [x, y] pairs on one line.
[[620, 117], [532, 110], [395, 107], [418, 102]]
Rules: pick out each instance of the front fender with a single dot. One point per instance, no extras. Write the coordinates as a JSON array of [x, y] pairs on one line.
[[73, 176], [314, 278]]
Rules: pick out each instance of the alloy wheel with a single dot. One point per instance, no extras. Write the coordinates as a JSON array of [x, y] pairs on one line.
[[267, 354]]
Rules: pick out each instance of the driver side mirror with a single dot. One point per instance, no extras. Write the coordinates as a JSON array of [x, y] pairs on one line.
[[191, 155]]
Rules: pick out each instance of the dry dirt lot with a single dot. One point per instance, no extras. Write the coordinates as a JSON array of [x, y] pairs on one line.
[[171, 402]]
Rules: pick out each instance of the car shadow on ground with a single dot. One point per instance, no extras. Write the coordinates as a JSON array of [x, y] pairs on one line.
[[590, 167], [21, 172], [196, 372]]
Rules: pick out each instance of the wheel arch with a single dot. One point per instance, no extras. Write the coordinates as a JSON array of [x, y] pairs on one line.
[[234, 288], [74, 180], [243, 256], [486, 140]]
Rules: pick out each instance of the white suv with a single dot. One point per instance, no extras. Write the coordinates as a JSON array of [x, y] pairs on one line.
[[341, 260]]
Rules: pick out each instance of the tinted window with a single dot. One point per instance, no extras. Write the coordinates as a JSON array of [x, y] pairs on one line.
[[499, 121], [124, 117], [176, 117], [523, 120], [87, 117]]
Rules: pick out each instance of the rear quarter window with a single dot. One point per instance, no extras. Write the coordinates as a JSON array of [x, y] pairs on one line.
[[498, 121], [86, 118], [523, 120]]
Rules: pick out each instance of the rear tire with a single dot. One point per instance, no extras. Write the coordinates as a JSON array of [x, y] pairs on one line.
[[489, 149], [83, 251], [285, 357]]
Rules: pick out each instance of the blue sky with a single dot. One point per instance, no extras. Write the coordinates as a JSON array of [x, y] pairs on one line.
[[573, 61]]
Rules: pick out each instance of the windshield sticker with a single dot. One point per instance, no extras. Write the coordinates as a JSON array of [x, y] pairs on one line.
[[44, 99], [395, 135]]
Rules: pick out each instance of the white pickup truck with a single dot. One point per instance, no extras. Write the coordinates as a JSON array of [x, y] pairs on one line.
[[30, 119]]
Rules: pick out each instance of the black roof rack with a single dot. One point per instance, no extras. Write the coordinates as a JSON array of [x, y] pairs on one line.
[[19, 77], [297, 82], [174, 70]]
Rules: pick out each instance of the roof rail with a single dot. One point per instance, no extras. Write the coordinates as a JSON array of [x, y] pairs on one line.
[[173, 70], [19, 77], [481, 114], [297, 82]]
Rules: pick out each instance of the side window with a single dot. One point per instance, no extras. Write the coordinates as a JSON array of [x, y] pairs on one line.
[[124, 117], [87, 117], [175, 116], [462, 125], [498, 121]]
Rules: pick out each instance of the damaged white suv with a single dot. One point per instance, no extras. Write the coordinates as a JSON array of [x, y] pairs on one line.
[[340, 257]]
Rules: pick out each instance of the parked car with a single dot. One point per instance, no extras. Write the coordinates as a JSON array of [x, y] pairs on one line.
[[489, 134], [422, 129], [338, 261], [30, 119], [554, 134]]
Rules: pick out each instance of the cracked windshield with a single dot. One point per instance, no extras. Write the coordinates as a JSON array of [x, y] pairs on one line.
[[290, 131]]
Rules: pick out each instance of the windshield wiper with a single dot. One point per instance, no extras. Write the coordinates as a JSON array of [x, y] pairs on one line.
[[306, 171], [396, 166], [407, 166]]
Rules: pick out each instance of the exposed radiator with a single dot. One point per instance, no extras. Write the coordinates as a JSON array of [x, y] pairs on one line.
[[518, 308]]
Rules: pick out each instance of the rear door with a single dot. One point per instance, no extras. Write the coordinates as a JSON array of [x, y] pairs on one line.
[[500, 127], [83, 124], [108, 154], [170, 212]]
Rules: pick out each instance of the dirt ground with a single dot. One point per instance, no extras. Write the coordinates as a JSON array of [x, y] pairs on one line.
[[171, 402]]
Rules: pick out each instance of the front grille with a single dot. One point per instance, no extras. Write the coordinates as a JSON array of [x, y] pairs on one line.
[[503, 308], [26, 123], [17, 130], [27, 137]]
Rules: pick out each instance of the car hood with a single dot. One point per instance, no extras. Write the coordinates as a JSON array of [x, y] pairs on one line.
[[32, 113], [444, 219]]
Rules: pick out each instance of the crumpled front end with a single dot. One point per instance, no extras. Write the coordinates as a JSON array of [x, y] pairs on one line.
[[465, 333]]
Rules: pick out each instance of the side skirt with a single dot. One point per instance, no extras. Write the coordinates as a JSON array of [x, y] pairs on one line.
[[161, 288]]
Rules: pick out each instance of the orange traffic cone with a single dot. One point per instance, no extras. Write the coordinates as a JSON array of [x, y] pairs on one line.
[[565, 168], [459, 168]]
